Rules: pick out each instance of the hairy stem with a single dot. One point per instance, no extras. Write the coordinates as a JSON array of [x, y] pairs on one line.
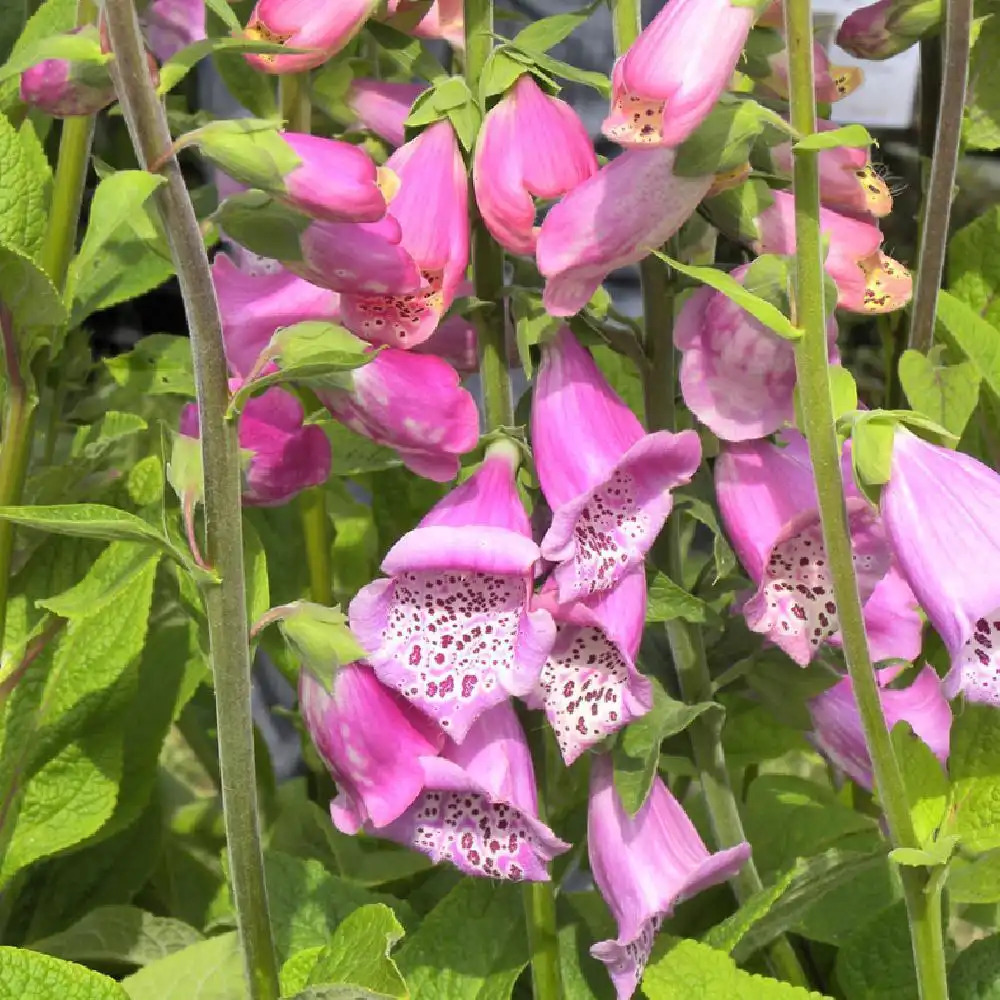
[[812, 371], [225, 601], [936, 212], [296, 109]]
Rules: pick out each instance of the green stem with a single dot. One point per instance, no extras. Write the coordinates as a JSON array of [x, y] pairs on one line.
[[225, 601], [936, 214], [813, 377], [316, 535], [57, 251], [296, 109], [487, 276]]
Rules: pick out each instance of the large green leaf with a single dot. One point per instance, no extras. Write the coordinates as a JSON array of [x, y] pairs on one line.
[[158, 365], [975, 881], [86, 520], [976, 972], [946, 394], [974, 763], [208, 970], [971, 335], [876, 962], [29, 975], [23, 195], [981, 128], [974, 265], [926, 782]]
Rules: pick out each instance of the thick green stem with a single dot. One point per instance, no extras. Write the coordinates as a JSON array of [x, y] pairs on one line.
[[812, 371], [296, 110], [57, 251], [225, 603], [936, 211]]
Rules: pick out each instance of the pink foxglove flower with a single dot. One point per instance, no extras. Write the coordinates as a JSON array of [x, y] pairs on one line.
[[253, 306], [737, 377], [450, 628], [414, 404], [443, 19], [285, 456], [479, 807], [531, 146], [644, 865], [831, 83], [672, 75], [868, 281], [614, 218], [322, 28], [372, 741], [940, 511], [382, 106], [431, 208], [607, 481], [837, 729], [768, 505], [886, 28], [847, 180], [172, 25], [589, 687]]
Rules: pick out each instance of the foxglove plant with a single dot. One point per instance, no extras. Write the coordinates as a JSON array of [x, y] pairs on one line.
[[381, 106]]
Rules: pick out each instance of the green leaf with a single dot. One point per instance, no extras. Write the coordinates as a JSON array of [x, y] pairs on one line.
[[546, 32], [359, 956], [209, 970], [871, 451], [80, 48], [499, 74], [925, 781], [181, 63], [407, 53], [691, 969], [974, 765], [119, 934], [972, 336], [761, 310], [263, 225], [86, 520], [471, 946], [565, 71], [27, 291], [702, 512], [32, 976], [668, 602], [935, 855], [13, 14], [251, 150], [976, 881], [23, 195], [876, 962], [981, 127], [354, 454], [974, 265], [847, 135], [976, 972], [780, 906], [637, 752], [319, 637], [946, 394], [159, 364]]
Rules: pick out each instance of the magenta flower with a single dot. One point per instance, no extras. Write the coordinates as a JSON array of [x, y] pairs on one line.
[[940, 511], [413, 403], [65, 88], [442, 19], [432, 211], [607, 481], [768, 505], [285, 456], [830, 82], [737, 377], [886, 28], [867, 280], [614, 218], [644, 865], [254, 306], [451, 629], [305, 24], [847, 180], [531, 146], [372, 741], [672, 75], [171, 25], [837, 724], [589, 687], [479, 807], [382, 106]]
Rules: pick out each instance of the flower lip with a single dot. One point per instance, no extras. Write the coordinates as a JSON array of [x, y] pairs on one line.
[[472, 548]]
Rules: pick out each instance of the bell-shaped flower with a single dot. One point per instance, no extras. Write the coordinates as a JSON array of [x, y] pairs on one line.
[[479, 806], [737, 377], [868, 281], [830, 82], [414, 404], [589, 687], [768, 505], [627, 209], [382, 106], [644, 865], [171, 25], [322, 28], [283, 455], [531, 146], [884, 29], [837, 729], [431, 209], [847, 180], [607, 481], [253, 306], [674, 72], [372, 740], [450, 629], [442, 19], [940, 512]]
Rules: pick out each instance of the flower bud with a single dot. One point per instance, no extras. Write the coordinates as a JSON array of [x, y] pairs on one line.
[[65, 88], [884, 29]]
